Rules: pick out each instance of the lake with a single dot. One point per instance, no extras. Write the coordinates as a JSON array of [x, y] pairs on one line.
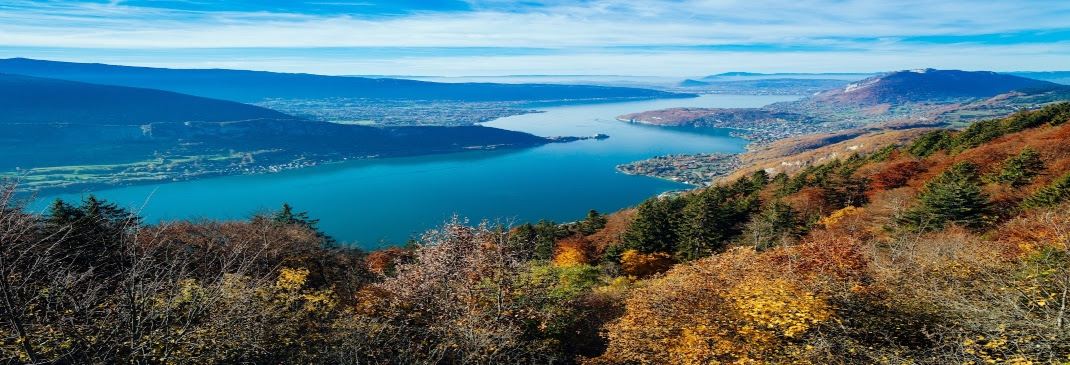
[[374, 203]]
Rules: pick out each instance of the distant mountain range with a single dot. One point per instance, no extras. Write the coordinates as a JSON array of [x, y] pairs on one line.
[[25, 99], [255, 86], [918, 97], [1059, 77], [761, 85], [924, 85], [728, 76]]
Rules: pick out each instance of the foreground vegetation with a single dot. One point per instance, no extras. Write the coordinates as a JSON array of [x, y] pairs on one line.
[[954, 248]]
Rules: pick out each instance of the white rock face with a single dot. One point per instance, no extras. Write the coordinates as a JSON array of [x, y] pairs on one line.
[[861, 84]]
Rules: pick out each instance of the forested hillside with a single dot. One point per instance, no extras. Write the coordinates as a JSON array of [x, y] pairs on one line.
[[953, 248]]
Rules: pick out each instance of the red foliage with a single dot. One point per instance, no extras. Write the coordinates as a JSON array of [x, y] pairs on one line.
[[896, 175], [383, 261]]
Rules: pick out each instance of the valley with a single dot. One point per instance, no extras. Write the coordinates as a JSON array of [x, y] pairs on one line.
[[893, 101]]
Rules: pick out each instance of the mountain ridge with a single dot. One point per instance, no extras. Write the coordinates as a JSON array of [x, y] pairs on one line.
[[28, 99], [254, 86], [62, 135]]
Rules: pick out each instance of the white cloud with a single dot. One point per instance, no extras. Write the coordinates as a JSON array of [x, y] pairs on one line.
[[811, 31]]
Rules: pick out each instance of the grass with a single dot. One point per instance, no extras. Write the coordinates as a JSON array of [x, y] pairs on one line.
[[138, 171]]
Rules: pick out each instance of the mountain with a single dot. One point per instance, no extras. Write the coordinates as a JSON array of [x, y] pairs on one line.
[[25, 99], [786, 75], [925, 85], [255, 86], [692, 83], [762, 86], [58, 134], [1061, 77], [906, 98]]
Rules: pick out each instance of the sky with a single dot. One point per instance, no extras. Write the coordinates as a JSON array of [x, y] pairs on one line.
[[682, 38]]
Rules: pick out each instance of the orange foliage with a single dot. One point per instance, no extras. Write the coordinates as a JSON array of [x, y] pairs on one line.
[[832, 256], [730, 308], [638, 264], [616, 224], [895, 175], [810, 201], [383, 261], [573, 250]]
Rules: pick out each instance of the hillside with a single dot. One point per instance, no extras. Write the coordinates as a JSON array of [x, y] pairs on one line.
[[64, 135], [923, 86], [951, 248], [25, 99], [256, 86]]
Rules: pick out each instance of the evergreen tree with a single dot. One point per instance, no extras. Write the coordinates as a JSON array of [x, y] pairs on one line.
[[92, 232], [882, 154], [654, 228], [286, 216], [760, 179], [929, 143], [523, 238], [954, 197], [710, 220], [774, 221], [1051, 195], [592, 224], [1019, 170], [546, 233]]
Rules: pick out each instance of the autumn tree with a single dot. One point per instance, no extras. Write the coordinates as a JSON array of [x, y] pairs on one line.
[[730, 308], [895, 175]]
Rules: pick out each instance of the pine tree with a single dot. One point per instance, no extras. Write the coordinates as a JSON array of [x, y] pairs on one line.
[[593, 223], [929, 143], [954, 197], [654, 228], [1019, 170], [286, 216], [1051, 195]]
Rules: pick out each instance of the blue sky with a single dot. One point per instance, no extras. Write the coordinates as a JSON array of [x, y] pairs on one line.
[[544, 37]]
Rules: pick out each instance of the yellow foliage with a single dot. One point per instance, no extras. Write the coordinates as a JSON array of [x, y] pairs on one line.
[[291, 279], [731, 308], [570, 256], [839, 215], [638, 264], [777, 307]]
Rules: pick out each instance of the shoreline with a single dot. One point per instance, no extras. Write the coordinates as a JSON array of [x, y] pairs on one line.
[[116, 181]]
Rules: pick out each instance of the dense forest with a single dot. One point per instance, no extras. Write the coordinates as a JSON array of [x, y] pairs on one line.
[[954, 248]]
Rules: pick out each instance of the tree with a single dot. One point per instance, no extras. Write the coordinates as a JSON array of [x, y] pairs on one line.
[[286, 216], [776, 221], [1019, 170], [929, 143], [1050, 195], [655, 226], [593, 223], [93, 232], [730, 308], [709, 220], [953, 197]]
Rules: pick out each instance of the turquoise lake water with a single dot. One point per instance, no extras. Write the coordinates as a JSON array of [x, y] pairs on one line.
[[375, 203]]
